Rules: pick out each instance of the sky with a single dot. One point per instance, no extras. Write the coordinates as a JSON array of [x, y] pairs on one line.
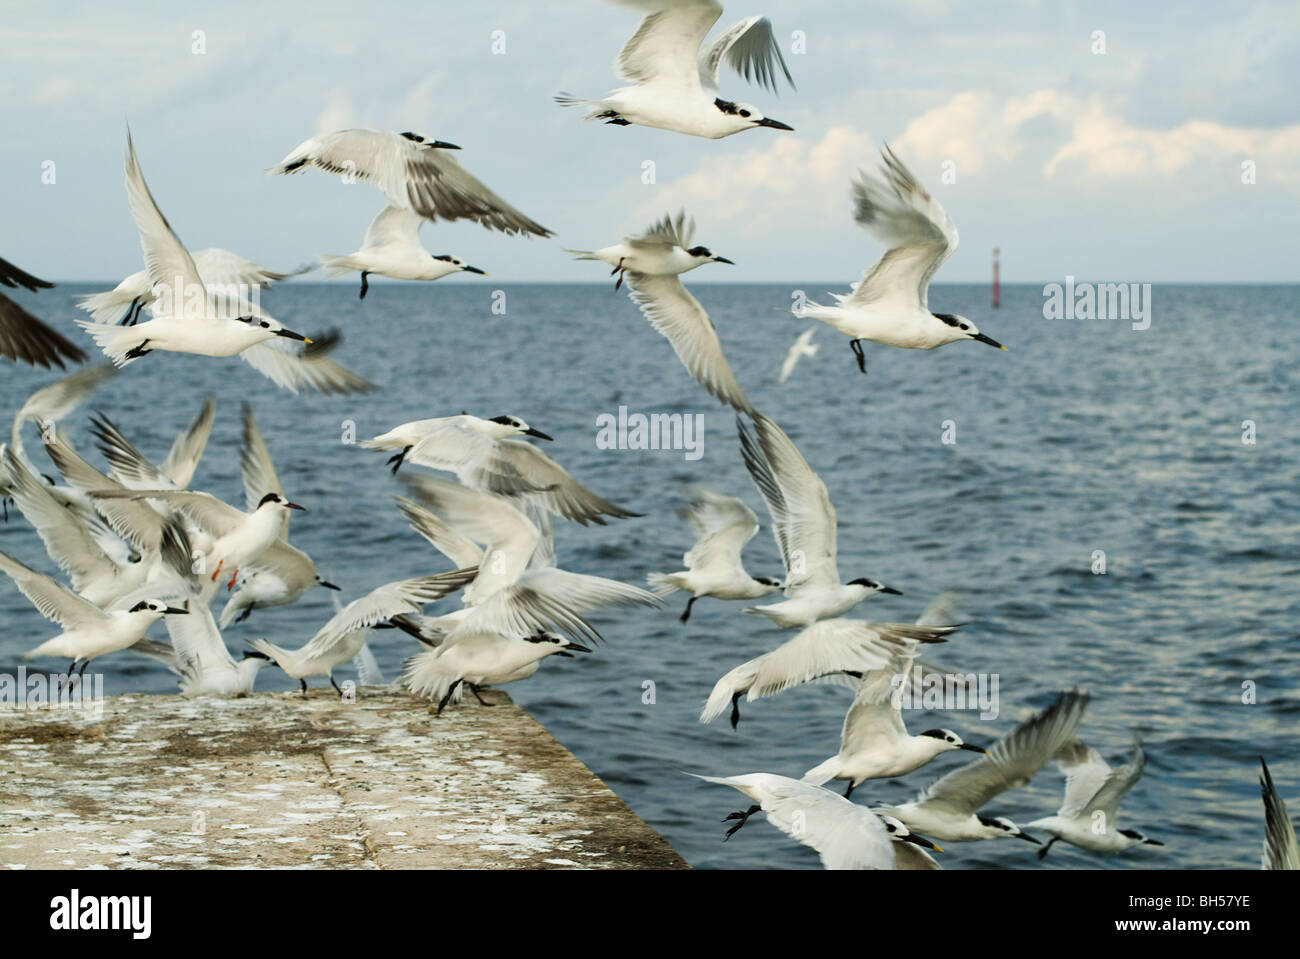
[[1126, 165]]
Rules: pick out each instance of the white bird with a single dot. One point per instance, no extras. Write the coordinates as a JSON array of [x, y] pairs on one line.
[[652, 263], [487, 455], [25, 338], [88, 631], [674, 81], [801, 347], [392, 248], [804, 525], [845, 835], [190, 318], [414, 172], [874, 742], [342, 637], [949, 809], [835, 649], [1280, 848], [199, 657], [219, 269], [723, 525], [1093, 792], [889, 304], [237, 538]]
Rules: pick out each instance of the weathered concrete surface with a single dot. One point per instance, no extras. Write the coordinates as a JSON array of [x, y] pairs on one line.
[[273, 780]]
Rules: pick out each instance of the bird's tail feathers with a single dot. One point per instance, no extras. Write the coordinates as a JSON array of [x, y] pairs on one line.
[[662, 584], [823, 773], [338, 264]]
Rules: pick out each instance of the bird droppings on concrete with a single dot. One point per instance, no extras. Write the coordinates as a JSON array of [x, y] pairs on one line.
[[275, 781]]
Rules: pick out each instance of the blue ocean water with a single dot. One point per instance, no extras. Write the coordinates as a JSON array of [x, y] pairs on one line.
[[1087, 435]]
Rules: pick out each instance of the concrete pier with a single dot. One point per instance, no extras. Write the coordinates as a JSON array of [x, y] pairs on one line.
[[276, 781]]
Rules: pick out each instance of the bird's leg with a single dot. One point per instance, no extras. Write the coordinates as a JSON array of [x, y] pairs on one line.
[[126, 317], [233, 576], [364, 285], [447, 697], [1042, 853], [139, 305], [398, 459], [848, 789], [743, 818], [687, 614], [66, 684], [217, 572], [248, 611], [303, 680], [735, 710], [336, 687], [135, 352], [481, 701], [856, 346], [620, 271]]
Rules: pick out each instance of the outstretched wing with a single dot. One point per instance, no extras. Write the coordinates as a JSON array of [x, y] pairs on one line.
[[750, 48], [665, 49]]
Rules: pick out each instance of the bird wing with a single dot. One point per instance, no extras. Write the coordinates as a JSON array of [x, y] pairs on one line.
[[166, 260], [550, 598], [222, 268], [1280, 848], [213, 516], [666, 233], [391, 599], [874, 715], [846, 835], [52, 403], [258, 469], [56, 603], [1012, 760], [293, 365], [183, 458], [803, 519], [129, 466], [797, 350], [1085, 773], [507, 535], [557, 490], [197, 641], [914, 228], [10, 275], [461, 550], [723, 525], [678, 316], [665, 49], [394, 227], [478, 460], [412, 173], [750, 48], [1118, 783], [25, 338]]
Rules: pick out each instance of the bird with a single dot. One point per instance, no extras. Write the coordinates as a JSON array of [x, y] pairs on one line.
[[949, 809], [199, 658], [803, 346], [136, 471], [844, 834], [342, 637], [219, 269], [414, 172], [1280, 848], [652, 262], [723, 525], [488, 455], [874, 742], [804, 525], [88, 631], [1093, 792], [190, 318], [392, 248], [49, 405], [23, 337], [836, 649], [890, 304], [237, 538], [674, 81]]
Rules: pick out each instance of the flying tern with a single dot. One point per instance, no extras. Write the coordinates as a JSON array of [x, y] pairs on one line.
[[803, 346]]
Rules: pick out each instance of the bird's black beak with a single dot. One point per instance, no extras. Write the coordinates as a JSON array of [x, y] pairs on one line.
[[1026, 836], [442, 145], [891, 591], [295, 506], [173, 611], [473, 269], [723, 259], [974, 749], [989, 340], [290, 334], [1153, 842], [329, 585], [774, 124], [539, 434], [574, 647], [922, 841]]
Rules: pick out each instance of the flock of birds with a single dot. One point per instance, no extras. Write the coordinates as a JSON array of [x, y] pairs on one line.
[[137, 544]]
